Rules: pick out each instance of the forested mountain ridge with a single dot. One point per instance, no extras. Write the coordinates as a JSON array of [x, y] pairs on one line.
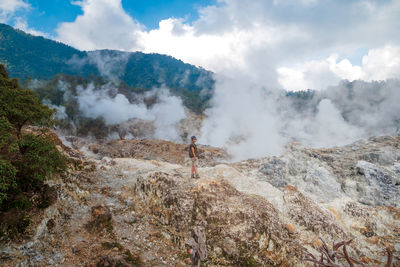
[[26, 56]]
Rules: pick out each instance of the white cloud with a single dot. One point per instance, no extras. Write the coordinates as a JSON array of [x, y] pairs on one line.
[[382, 63], [344, 69], [250, 50], [103, 25], [275, 43], [12, 5], [21, 23], [309, 75], [8, 14], [379, 64], [291, 2], [9, 7]]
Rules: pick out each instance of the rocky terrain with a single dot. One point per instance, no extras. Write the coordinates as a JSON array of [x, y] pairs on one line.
[[132, 203], [158, 150]]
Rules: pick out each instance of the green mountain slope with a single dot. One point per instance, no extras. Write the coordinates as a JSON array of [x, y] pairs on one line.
[[26, 55], [30, 56]]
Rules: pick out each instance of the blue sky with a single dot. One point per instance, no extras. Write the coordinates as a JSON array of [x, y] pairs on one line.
[[292, 44], [44, 15]]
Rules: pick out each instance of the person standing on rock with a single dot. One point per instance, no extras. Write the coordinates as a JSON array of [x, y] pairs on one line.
[[193, 156]]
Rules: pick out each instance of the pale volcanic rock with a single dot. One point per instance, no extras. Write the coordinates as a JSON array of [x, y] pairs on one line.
[[132, 202], [242, 225]]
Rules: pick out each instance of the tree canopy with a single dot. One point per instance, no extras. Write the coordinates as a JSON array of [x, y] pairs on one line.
[[27, 159]]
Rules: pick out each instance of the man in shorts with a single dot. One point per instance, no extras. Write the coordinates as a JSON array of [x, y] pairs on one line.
[[193, 156]]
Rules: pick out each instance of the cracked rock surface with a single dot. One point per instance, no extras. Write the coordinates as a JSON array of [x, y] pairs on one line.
[[126, 205]]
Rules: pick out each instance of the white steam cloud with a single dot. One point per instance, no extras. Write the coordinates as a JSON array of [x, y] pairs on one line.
[[165, 114], [60, 113], [325, 128], [242, 119], [251, 121], [371, 106], [110, 64], [98, 103]]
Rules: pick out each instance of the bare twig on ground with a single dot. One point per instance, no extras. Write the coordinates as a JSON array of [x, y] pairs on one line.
[[329, 256]]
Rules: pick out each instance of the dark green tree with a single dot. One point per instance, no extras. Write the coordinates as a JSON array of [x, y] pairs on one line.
[[21, 107], [26, 159]]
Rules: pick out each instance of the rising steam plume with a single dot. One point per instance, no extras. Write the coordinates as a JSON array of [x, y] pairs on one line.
[[248, 119], [252, 121]]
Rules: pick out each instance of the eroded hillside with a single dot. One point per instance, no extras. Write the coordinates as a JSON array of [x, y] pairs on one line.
[[132, 203]]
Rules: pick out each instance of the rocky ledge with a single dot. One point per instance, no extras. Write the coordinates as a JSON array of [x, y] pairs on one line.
[[124, 209]]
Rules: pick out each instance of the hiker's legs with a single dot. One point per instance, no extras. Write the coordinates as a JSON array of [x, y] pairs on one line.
[[195, 170], [194, 166]]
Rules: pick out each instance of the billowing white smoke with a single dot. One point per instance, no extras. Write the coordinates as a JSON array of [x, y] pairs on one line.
[[110, 64], [60, 113], [98, 103], [165, 114], [243, 119], [251, 121], [371, 106], [325, 128]]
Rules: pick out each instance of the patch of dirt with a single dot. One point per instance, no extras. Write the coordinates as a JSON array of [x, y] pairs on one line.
[[158, 150]]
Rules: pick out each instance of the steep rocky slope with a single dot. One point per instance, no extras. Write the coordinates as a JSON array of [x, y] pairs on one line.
[[119, 207]]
